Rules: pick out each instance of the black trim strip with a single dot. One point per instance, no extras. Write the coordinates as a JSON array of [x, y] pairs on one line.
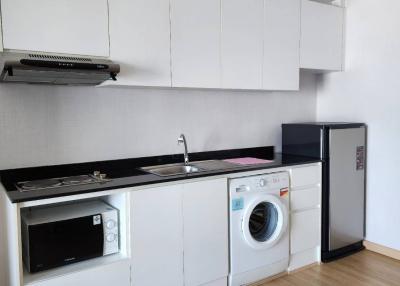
[[342, 252], [64, 65]]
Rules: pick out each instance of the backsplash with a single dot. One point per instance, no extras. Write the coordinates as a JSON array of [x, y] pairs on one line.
[[47, 125]]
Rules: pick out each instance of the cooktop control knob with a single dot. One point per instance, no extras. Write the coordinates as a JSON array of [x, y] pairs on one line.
[[110, 224], [110, 237], [262, 183]]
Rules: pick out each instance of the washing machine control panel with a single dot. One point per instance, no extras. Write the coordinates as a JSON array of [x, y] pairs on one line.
[[261, 183], [271, 181]]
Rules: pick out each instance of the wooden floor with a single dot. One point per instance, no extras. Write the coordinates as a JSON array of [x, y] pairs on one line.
[[364, 268]]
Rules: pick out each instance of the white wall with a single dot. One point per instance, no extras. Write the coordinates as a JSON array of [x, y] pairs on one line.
[[369, 91], [47, 125]]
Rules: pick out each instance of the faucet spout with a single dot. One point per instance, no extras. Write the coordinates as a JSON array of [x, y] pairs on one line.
[[182, 139]]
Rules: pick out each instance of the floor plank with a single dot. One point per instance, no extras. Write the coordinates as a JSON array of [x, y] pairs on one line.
[[365, 268]]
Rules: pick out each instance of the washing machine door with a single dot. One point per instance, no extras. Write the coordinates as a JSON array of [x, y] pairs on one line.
[[264, 222]]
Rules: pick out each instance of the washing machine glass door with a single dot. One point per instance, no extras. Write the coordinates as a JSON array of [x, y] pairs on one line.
[[265, 221]]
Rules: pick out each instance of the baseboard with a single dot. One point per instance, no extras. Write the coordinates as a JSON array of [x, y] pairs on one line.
[[303, 268], [384, 250], [263, 281]]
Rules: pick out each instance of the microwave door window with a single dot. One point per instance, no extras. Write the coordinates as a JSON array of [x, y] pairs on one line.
[[63, 242]]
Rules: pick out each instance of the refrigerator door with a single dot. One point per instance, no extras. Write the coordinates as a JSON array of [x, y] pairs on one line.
[[347, 190]]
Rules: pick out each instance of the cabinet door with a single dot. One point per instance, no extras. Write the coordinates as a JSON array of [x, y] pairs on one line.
[[59, 26], [157, 238], [195, 43], [113, 274], [305, 176], [205, 214], [321, 36], [242, 43], [305, 198], [281, 45], [305, 230], [140, 41]]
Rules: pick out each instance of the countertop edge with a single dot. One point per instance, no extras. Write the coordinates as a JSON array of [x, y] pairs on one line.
[[242, 169]]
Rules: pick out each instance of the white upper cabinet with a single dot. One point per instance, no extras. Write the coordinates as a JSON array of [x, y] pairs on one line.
[[195, 43], [140, 41], [321, 36], [281, 45], [60, 26], [242, 41]]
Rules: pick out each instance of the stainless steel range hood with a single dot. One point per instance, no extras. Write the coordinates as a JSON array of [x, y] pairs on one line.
[[56, 69]]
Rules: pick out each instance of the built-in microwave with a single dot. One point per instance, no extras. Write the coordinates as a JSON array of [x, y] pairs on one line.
[[58, 235]]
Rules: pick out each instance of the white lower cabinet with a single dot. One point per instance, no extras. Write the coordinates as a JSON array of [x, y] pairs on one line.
[[179, 235], [219, 282], [305, 219], [157, 236], [117, 273], [305, 230], [205, 231]]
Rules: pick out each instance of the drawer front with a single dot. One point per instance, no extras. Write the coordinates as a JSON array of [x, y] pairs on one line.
[[305, 176], [305, 230], [306, 198], [111, 274]]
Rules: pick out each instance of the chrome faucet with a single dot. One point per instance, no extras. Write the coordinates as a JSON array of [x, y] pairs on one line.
[[181, 140]]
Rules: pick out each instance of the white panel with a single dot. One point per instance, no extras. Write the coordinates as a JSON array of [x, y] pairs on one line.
[[113, 274], [242, 43], [307, 198], [305, 176], [281, 45], [195, 43], [157, 238], [13, 253], [62, 26], [219, 282], [321, 36], [305, 230], [205, 213], [304, 258], [140, 41]]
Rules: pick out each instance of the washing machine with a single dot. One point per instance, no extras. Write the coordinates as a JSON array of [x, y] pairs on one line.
[[259, 227]]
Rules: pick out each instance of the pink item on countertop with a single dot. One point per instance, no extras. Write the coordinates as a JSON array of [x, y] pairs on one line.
[[248, 161]]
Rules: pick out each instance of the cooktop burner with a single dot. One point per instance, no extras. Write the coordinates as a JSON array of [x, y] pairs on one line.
[[41, 184], [62, 182], [83, 179]]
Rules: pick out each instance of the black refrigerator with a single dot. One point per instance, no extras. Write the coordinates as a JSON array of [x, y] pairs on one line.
[[342, 148]]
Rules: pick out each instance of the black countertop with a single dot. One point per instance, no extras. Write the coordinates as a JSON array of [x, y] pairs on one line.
[[125, 173]]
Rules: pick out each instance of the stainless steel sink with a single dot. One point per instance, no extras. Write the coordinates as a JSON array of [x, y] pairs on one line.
[[172, 170], [193, 167]]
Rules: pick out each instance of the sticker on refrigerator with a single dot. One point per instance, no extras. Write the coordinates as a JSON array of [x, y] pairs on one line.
[[237, 204], [360, 158]]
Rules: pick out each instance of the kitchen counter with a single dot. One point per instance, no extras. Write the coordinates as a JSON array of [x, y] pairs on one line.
[[126, 172]]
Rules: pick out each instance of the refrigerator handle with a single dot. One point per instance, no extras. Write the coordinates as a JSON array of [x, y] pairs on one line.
[[321, 142]]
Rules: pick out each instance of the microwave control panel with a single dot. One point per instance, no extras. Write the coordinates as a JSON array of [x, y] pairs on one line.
[[111, 232]]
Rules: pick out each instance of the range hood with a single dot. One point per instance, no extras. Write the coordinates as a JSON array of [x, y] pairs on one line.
[[56, 69]]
